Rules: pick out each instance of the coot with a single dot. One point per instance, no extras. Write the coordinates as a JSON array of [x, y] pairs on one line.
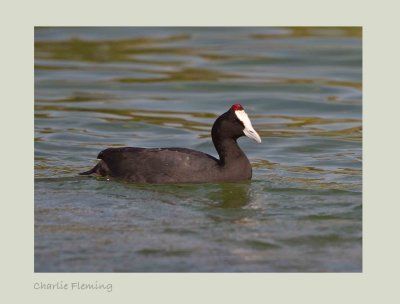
[[180, 165]]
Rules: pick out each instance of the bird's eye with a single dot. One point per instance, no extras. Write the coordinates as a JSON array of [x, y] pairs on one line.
[[238, 121]]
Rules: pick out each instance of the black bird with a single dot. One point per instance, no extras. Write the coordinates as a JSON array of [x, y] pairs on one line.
[[181, 165]]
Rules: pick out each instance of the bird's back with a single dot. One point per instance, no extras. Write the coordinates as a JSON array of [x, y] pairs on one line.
[[160, 165]]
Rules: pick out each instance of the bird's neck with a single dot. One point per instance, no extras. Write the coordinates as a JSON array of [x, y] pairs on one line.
[[229, 151]]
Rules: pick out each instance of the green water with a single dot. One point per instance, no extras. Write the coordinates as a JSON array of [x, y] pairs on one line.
[[160, 87]]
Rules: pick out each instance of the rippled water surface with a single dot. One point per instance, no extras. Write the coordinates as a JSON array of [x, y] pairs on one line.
[[155, 87]]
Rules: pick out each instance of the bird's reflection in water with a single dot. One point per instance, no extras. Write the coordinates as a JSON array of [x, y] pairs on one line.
[[230, 195], [223, 195], [224, 202], [227, 203]]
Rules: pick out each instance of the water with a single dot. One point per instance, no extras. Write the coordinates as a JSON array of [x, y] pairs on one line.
[[155, 87]]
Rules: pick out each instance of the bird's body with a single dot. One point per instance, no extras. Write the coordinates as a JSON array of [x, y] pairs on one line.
[[181, 165]]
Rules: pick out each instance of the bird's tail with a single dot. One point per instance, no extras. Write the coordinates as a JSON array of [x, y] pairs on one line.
[[91, 171]]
